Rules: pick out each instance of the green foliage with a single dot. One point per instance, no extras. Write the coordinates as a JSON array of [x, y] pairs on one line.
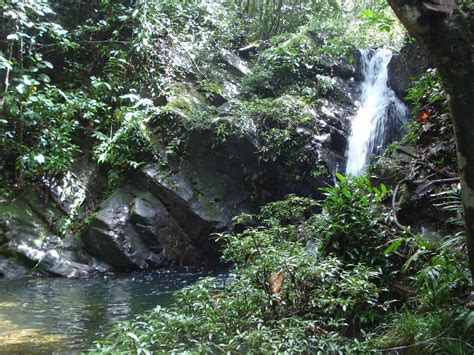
[[293, 292], [357, 27], [38, 119], [291, 210], [268, 18], [40, 130], [442, 330], [444, 277], [111, 52], [312, 276], [123, 149], [427, 91], [205, 320], [350, 225], [378, 19], [107, 51], [429, 100], [275, 126], [318, 301], [442, 280], [449, 200], [290, 59]]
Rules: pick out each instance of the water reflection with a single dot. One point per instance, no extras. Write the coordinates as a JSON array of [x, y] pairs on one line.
[[45, 315]]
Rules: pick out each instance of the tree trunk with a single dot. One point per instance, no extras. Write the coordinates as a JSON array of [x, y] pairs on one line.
[[446, 32]]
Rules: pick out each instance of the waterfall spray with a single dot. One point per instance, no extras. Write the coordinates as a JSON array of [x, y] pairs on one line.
[[381, 113]]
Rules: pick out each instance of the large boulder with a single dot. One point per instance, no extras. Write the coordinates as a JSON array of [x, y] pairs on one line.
[[201, 199], [409, 63], [27, 238], [134, 230], [168, 214]]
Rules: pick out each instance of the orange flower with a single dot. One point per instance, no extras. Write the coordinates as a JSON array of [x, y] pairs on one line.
[[424, 116]]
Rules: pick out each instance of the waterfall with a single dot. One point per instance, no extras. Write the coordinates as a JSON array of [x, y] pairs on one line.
[[380, 115]]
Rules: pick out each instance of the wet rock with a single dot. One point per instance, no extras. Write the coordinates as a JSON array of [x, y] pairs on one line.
[[343, 69], [51, 261], [19, 223], [168, 215], [112, 239], [442, 152], [11, 268], [55, 262], [24, 226], [205, 190], [334, 118], [358, 65], [226, 89], [416, 209], [231, 89], [159, 231], [185, 100], [83, 181], [194, 208], [405, 153]]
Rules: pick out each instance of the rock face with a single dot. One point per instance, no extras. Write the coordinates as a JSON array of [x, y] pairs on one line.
[[28, 240], [409, 63], [112, 237], [164, 215]]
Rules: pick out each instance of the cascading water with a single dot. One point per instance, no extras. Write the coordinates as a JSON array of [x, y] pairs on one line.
[[381, 113]]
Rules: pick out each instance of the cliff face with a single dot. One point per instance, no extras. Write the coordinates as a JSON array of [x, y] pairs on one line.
[[244, 141], [406, 65]]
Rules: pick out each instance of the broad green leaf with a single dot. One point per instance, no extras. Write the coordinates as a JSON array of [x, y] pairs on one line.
[[394, 245], [340, 177]]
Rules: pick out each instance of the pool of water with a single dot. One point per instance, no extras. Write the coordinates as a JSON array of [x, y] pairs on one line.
[[44, 315]]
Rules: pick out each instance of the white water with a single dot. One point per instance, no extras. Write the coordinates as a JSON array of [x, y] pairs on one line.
[[380, 116]]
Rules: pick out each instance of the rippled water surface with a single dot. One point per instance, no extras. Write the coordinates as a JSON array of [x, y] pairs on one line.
[[45, 315]]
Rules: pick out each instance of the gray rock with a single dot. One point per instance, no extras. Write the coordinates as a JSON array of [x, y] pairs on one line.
[[111, 238], [405, 153], [343, 69], [185, 100], [250, 50], [83, 181], [133, 230], [168, 215], [25, 228], [194, 212], [51, 261], [159, 231], [404, 66], [11, 268]]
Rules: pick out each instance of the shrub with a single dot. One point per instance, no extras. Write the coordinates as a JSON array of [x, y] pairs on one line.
[[352, 224]]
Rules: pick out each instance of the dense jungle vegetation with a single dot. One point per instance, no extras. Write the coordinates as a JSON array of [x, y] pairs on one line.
[[351, 267]]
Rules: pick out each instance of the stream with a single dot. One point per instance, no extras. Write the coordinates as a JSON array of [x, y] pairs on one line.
[[45, 315]]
